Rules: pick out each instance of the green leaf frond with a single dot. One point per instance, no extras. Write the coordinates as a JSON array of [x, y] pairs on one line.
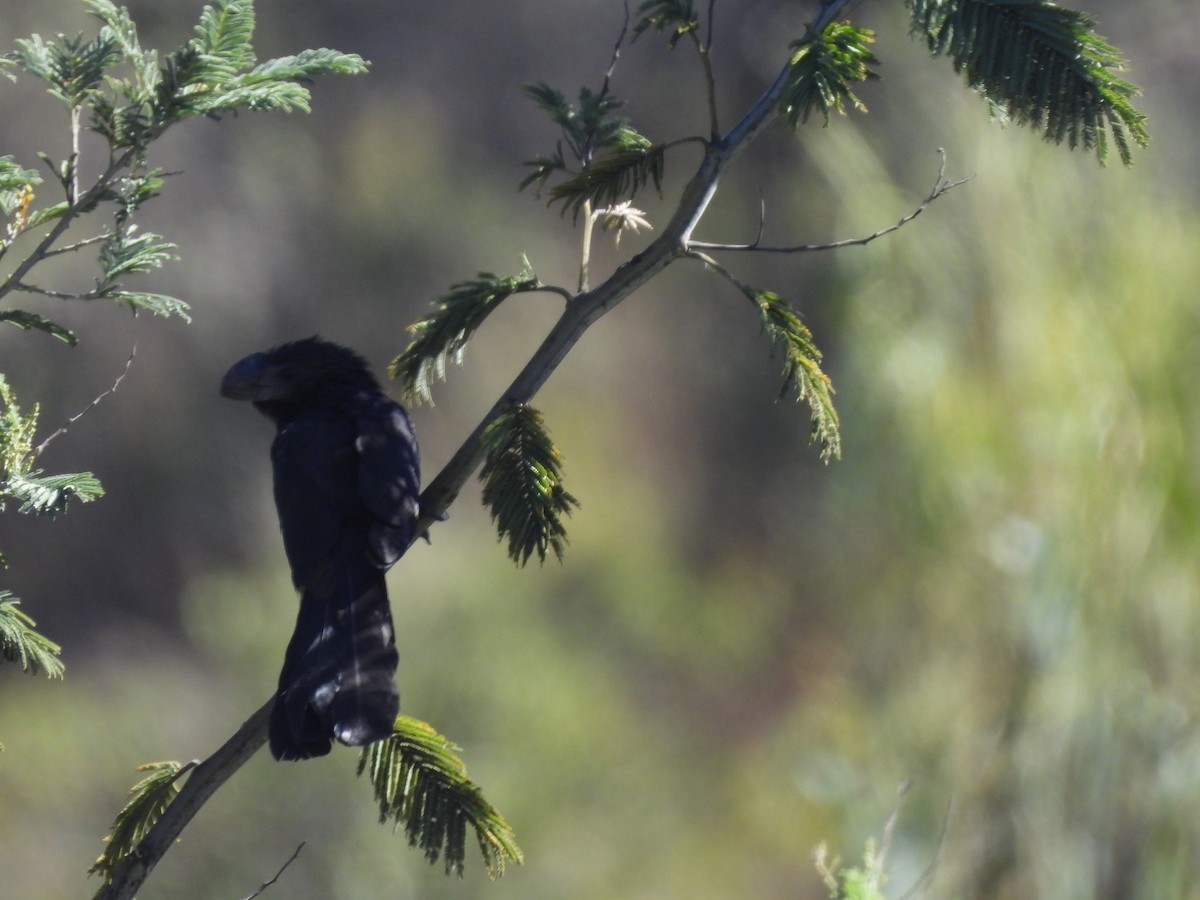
[[822, 70], [1042, 64], [19, 481], [27, 320], [73, 68], [522, 485], [614, 178], [155, 304], [443, 334], [676, 16], [587, 129], [802, 373], [127, 252], [20, 643], [49, 495], [148, 799], [16, 434], [422, 785], [15, 181]]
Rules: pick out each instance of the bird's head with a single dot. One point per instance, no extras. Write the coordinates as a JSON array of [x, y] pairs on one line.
[[302, 373]]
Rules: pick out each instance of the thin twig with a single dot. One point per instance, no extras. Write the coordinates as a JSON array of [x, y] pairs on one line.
[[93, 294], [71, 248], [922, 884], [96, 402], [616, 54], [267, 884], [940, 187]]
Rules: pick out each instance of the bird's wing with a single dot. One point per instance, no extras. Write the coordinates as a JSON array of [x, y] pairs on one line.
[[389, 475]]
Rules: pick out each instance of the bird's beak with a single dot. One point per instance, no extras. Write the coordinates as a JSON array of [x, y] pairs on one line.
[[247, 379]]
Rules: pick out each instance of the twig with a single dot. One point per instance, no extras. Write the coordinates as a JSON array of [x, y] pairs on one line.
[[922, 884], [71, 248], [940, 187], [96, 402], [57, 295], [267, 884]]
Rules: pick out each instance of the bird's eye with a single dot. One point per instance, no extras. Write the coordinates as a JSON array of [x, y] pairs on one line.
[[287, 372]]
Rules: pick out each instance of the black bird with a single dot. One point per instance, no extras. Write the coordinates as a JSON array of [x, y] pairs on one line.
[[347, 480]]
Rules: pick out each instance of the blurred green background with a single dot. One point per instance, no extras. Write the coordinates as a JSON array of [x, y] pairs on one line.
[[995, 594]]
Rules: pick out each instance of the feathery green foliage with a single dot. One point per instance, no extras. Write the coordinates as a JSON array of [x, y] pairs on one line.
[[630, 160], [822, 69], [148, 799], [677, 16], [20, 643], [631, 164], [801, 367], [522, 485], [443, 334], [37, 494], [1040, 64], [26, 320], [422, 785], [863, 882]]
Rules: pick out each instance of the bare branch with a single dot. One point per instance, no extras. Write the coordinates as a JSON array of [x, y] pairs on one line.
[[267, 884], [940, 187], [96, 402]]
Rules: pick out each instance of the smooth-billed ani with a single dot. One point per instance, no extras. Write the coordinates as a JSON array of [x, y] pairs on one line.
[[347, 479]]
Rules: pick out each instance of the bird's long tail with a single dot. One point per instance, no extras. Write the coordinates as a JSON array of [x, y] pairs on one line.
[[338, 677]]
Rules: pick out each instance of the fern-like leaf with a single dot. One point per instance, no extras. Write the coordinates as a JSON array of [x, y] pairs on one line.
[[422, 785], [522, 485], [49, 495], [616, 177], [155, 304], [443, 335], [822, 70], [128, 252], [20, 643], [148, 799], [676, 16], [1042, 64], [27, 320], [802, 374]]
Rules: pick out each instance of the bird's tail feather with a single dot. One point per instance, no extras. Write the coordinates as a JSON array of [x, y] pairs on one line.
[[338, 677]]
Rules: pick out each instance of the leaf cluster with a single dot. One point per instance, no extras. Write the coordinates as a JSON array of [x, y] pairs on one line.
[[822, 69], [676, 16], [130, 95], [1042, 65], [148, 799], [36, 493], [522, 485], [20, 643], [610, 161], [421, 785], [802, 374], [442, 335]]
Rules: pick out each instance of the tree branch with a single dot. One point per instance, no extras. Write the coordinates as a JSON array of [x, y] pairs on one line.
[[581, 311], [202, 783], [940, 187]]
